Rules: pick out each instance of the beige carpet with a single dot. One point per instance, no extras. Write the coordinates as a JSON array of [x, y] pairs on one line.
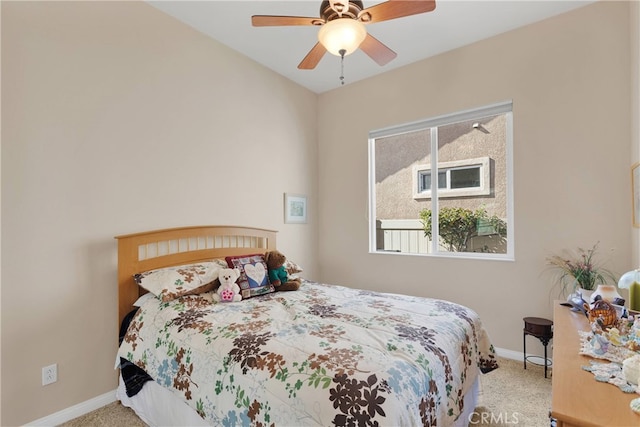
[[512, 396], [509, 396]]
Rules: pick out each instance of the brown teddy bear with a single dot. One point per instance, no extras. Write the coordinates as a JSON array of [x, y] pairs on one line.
[[278, 273]]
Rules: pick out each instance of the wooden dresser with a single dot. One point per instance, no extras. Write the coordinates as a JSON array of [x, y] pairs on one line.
[[577, 398]]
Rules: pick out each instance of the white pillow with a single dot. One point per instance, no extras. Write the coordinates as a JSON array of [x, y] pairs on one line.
[[292, 267], [140, 301], [172, 282]]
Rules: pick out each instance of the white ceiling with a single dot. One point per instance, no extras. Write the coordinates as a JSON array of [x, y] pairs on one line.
[[452, 24]]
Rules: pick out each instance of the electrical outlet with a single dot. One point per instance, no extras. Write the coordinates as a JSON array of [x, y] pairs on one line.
[[50, 374]]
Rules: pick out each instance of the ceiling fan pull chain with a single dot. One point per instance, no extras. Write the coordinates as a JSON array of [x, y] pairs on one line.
[[342, 52]]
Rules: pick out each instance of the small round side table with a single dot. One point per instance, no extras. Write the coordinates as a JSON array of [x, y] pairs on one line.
[[541, 329]]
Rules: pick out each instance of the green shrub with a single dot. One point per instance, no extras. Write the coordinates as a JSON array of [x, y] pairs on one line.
[[457, 226]]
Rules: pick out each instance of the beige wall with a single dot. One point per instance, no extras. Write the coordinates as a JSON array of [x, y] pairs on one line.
[[569, 79], [117, 118], [634, 18], [101, 102]]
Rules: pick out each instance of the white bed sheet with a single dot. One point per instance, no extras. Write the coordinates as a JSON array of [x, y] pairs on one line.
[[157, 406]]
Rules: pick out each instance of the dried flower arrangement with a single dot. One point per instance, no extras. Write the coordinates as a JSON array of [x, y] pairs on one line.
[[579, 269]]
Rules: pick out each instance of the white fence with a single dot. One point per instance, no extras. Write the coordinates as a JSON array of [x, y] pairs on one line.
[[402, 235], [407, 236]]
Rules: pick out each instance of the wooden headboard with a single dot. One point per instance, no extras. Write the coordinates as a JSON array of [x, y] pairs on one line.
[[175, 246]]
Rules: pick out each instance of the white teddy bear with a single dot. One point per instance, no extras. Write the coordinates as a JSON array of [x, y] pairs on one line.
[[229, 289]]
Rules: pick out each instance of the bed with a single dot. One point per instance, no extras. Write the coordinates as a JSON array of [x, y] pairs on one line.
[[322, 355]]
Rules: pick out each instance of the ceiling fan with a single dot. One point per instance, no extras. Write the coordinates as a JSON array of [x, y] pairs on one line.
[[342, 27]]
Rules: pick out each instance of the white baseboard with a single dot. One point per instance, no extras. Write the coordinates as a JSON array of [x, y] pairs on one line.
[[109, 397], [509, 354], [75, 411], [519, 356]]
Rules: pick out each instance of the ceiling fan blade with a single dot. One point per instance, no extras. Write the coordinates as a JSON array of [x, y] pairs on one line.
[[313, 57], [392, 9], [271, 21], [377, 50]]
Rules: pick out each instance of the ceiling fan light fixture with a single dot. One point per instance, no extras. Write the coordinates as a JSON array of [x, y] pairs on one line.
[[342, 34]]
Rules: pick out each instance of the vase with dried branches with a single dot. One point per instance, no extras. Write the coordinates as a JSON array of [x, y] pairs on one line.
[[579, 270]]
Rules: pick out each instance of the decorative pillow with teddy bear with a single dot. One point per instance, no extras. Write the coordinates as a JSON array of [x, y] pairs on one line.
[[254, 278]]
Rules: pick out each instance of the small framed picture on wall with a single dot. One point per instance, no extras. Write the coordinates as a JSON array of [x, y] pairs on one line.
[[295, 208], [635, 192]]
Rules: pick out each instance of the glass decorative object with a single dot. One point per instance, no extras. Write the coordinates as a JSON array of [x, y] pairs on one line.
[[631, 280]]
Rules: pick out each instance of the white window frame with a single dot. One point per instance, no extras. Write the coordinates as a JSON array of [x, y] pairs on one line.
[[485, 179], [505, 108]]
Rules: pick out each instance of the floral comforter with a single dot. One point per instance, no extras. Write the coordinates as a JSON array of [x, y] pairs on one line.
[[323, 355]]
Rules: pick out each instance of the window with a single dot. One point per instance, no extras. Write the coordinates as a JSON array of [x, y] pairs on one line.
[[470, 177], [472, 154]]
